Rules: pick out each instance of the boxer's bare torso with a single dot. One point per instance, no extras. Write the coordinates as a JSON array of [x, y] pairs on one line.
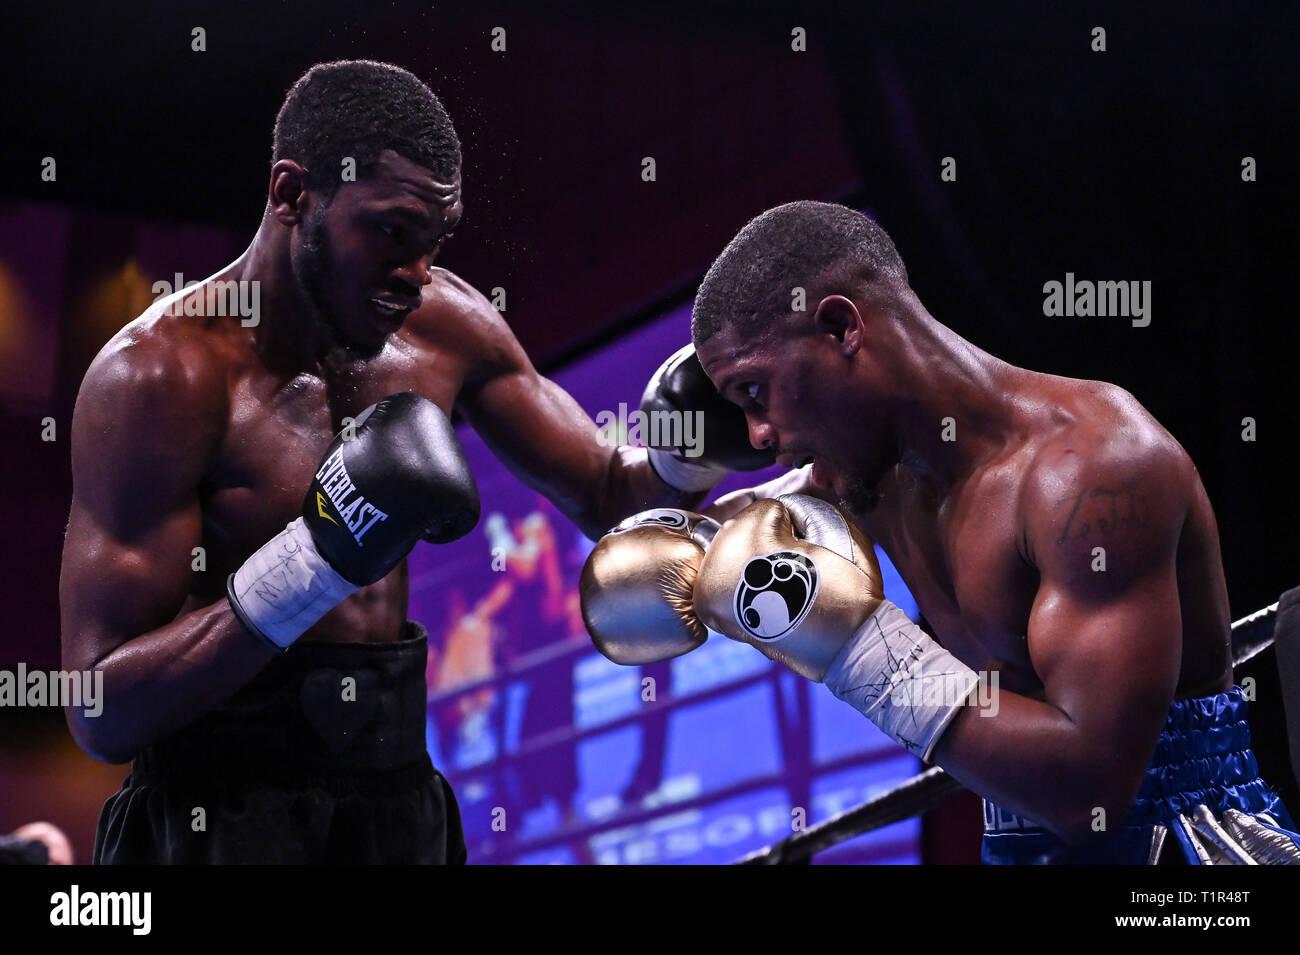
[[191, 432], [1087, 468], [255, 435], [968, 559], [1052, 532], [1001, 537]]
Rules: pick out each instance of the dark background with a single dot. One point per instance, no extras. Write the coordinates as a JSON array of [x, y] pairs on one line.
[[1118, 165]]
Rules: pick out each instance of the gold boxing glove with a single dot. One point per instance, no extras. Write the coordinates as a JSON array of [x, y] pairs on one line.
[[770, 581], [637, 587], [797, 579]]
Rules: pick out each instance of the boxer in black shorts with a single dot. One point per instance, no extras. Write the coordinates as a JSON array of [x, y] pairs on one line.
[[221, 566], [283, 773]]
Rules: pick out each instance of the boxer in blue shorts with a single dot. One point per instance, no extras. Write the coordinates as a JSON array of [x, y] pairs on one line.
[[1201, 802], [1053, 534]]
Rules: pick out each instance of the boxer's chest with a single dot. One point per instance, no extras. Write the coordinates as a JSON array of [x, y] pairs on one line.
[[960, 557], [278, 432]]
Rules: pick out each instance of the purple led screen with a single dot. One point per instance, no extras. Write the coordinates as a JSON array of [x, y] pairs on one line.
[[555, 753]]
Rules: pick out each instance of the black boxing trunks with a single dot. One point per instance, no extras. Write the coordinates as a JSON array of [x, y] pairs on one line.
[[320, 759]]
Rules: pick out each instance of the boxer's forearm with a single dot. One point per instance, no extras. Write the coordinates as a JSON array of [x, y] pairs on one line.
[[634, 486], [160, 681], [1030, 758], [553, 446], [628, 485]]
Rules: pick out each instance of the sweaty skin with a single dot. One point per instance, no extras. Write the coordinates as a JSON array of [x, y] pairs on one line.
[[996, 534], [199, 432]]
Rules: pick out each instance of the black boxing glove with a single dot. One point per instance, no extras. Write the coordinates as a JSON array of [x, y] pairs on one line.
[[400, 477], [721, 442]]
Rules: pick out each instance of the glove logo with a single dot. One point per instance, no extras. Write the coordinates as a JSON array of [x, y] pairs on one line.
[[320, 507], [775, 593], [662, 516]]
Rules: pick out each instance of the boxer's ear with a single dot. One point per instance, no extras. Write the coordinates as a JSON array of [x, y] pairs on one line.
[[839, 318], [287, 192]]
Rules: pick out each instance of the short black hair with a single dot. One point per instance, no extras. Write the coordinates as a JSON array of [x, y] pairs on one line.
[[359, 108], [805, 244]]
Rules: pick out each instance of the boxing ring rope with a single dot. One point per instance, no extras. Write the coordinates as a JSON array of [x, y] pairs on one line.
[[1251, 635]]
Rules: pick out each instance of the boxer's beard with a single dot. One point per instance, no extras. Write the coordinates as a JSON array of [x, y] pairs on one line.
[[862, 494], [314, 275], [859, 498]]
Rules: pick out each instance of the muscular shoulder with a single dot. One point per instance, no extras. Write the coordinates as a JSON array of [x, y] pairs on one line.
[[156, 395], [1109, 476], [457, 317], [156, 361]]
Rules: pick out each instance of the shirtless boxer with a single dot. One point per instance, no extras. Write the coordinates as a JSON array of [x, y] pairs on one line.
[[1050, 530], [269, 688]]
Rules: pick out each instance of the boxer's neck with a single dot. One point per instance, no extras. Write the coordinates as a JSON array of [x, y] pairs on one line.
[[293, 334], [959, 407]]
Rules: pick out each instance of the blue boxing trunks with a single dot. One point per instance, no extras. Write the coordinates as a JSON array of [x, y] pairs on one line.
[[320, 759], [1201, 803]]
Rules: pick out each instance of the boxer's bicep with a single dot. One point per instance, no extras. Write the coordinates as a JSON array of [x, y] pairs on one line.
[[1105, 630], [139, 447], [551, 444], [531, 424], [1111, 667], [111, 590], [541, 434]]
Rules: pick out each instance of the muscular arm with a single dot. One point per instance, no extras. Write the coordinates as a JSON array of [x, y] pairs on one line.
[[1106, 645], [536, 428], [142, 433]]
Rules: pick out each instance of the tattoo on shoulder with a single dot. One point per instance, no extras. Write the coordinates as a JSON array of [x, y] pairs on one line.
[[1104, 511]]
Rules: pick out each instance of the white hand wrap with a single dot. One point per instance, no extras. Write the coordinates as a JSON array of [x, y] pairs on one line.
[[677, 472], [286, 586], [896, 676]]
